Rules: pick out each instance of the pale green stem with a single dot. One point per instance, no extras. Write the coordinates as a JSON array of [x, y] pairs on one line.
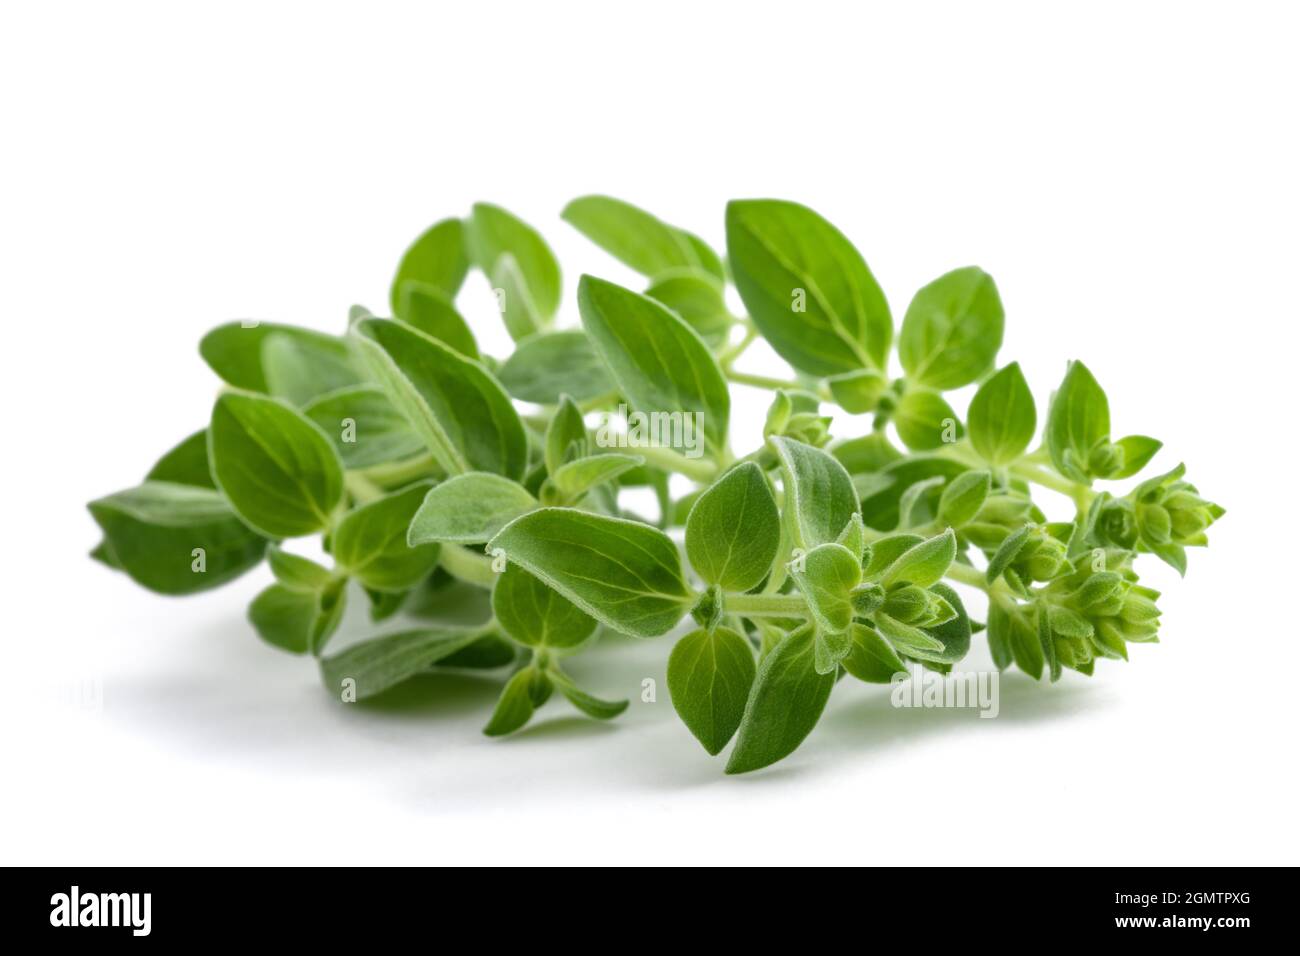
[[1024, 468], [400, 472], [760, 381], [696, 469], [965, 574], [600, 401], [361, 487], [1082, 495], [734, 352], [467, 566], [766, 605]]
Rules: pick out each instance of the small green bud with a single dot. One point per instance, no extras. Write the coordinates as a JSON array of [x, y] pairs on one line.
[[1154, 524], [1105, 459], [1099, 590], [963, 497], [867, 599], [778, 414], [1117, 524], [708, 610], [909, 604]]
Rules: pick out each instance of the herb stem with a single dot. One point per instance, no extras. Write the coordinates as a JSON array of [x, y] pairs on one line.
[[965, 574], [730, 355], [465, 565], [766, 605], [361, 488], [1025, 468], [760, 381], [598, 402], [1082, 495], [697, 469], [401, 472]]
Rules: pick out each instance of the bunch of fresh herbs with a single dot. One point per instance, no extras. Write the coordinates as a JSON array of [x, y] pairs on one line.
[[435, 472]]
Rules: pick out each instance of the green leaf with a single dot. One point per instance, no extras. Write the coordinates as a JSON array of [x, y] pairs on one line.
[[871, 659], [709, 677], [828, 574], [103, 553], [492, 233], [536, 615], [952, 330], [953, 634], [437, 258], [636, 238], [176, 539], [1138, 451], [625, 574], [576, 478], [963, 497], [819, 495], [383, 662], [999, 635], [487, 653], [364, 427], [1025, 647], [469, 509], [659, 362], [1006, 552], [784, 705], [589, 704], [1048, 644], [1002, 417], [858, 392], [370, 542], [460, 411], [297, 572], [518, 310], [283, 617], [733, 531], [925, 421], [697, 298], [516, 704], [543, 367], [908, 639], [854, 535], [384, 604], [566, 436], [922, 564], [235, 352], [299, 370], [880, 505], [1077, 419], [807, 289], [430, 310], [295, 620], [885, 551], [186, 463], [865, 454], [277, 469]]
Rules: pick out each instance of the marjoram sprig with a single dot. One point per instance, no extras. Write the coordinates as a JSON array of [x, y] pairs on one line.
[[473, 503]]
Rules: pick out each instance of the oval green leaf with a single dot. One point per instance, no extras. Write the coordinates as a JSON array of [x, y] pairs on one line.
[[659, 362], [709, 677], [625, 574], [734, 530], [176, 539], [807, 288], [277, 468], [455, 405]]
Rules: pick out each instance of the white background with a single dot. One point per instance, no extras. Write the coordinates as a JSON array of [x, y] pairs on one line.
[[1126, 172]]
